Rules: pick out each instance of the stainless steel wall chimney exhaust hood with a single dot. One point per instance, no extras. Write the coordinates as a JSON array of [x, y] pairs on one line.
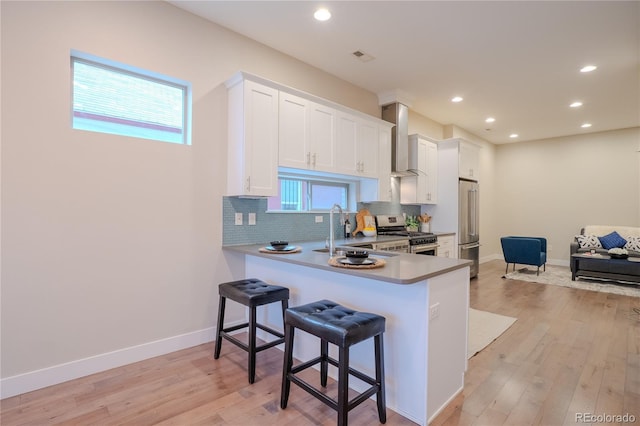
[[398, 114]]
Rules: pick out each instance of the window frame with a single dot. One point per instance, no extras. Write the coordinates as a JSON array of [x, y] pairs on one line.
[[350, 184], [129, 70]]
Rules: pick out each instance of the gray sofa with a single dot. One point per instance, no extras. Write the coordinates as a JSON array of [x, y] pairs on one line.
[[611, 269]]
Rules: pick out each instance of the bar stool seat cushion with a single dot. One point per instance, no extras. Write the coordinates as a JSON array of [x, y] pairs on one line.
[[335, 323], [253, 292]]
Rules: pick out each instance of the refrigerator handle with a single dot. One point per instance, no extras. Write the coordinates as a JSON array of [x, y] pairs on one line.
[[472, 211]]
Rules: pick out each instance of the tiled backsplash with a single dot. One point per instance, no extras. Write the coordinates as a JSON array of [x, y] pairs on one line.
[[288, 226]]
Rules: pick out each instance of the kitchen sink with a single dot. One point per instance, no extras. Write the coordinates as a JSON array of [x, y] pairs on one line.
[[343, 249]]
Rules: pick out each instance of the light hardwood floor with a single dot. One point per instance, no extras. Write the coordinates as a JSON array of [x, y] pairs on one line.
[[570, 351]]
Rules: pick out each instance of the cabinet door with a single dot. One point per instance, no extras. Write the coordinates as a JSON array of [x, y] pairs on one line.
[[432, 174], [384, 164], [346, 144], [294, 131], [367, 149], [261, 139], [447, 246], [469, 161], [322, 137], [423, 172]]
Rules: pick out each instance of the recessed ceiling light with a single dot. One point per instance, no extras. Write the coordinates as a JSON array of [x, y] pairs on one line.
[[513, 135], [456, 99], [490, 120], [322, 15], [586, 125], [576, 104], [588, 68]]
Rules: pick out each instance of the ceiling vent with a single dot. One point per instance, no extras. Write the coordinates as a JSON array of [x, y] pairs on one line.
[[362, 56]]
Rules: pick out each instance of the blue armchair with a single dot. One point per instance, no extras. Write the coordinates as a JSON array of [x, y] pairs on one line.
[[525, 250]]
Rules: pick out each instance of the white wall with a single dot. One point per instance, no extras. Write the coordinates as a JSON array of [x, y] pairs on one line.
[[554, 187], [111, 242]]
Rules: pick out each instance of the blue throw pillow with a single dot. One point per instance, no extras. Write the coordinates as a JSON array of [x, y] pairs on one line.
[[612, 240]]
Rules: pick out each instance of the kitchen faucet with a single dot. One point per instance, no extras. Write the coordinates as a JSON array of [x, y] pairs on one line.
[[331, 230]]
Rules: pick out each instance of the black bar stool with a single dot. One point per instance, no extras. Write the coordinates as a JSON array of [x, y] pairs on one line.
[[343, 327], [250, 292]]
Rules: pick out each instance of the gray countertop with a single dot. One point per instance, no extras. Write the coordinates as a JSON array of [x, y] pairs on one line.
[[399, 268]]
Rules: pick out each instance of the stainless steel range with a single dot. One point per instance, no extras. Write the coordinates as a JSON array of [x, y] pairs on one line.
[[419, 242]]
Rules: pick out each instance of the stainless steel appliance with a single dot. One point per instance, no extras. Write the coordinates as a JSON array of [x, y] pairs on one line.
[[425, 243], [468, 223], [400, 246]]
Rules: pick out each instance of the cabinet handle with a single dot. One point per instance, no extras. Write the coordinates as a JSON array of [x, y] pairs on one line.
[[249, 183], [314, 159], [308, 158]]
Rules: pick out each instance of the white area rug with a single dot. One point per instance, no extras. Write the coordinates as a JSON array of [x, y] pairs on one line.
[[560, 275], [484, 328]]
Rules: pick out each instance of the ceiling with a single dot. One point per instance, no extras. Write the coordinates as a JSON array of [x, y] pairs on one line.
[[516, 61]]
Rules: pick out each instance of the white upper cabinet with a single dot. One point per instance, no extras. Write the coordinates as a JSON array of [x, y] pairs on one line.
[[468, 160], [367, 149], [346, 143], [384, 162], [253, 138], [322, 136], [357, 142], [423, 160], [307, 134], [271, 126], [294, 130]]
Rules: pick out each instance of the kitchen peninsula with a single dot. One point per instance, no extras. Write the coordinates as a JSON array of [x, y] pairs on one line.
[[425, 300]]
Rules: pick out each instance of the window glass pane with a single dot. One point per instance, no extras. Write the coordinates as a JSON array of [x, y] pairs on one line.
[[325, 195], [118, 101], [299, 194]]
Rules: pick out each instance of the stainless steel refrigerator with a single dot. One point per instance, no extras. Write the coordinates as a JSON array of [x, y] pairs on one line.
[[468, 223]]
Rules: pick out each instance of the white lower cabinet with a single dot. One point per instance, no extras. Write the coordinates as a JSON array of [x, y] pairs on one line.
[[447, 246]]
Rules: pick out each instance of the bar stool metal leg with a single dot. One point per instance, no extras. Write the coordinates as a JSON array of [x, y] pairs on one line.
[[324, 363], [343, 388], [288, 364], [252, 345], [221, 307], [380, 395]]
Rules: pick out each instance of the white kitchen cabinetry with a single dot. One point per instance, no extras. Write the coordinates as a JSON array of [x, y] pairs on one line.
[[384, 162], [469, 161], [447, 246], [271, 126], [367, 149], [356, 146], [346, 143], [252, 168], [423, 160], [307, 134]]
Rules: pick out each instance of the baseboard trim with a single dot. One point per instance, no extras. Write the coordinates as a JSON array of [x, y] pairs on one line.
[[38, 379]]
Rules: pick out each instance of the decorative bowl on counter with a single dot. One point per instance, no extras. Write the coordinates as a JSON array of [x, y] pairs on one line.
[[279, 245], [357, 256], [369, 232]]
